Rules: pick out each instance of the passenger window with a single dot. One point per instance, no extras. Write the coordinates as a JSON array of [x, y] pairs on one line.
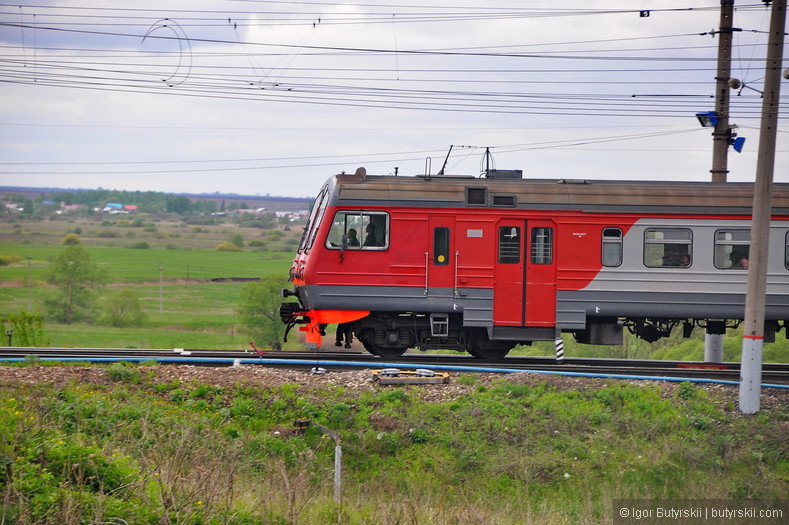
[[732, 248], [441, 246], [509, 244], [667, 248], [541, 245], [356, 230], [612, 247]]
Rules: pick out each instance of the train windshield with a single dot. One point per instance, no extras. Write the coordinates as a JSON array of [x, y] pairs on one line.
[[314, 219]]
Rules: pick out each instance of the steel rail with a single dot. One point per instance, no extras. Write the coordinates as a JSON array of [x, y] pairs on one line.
[[772, 372]]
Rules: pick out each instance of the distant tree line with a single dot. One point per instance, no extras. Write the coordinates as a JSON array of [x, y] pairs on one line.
[[146, 201]]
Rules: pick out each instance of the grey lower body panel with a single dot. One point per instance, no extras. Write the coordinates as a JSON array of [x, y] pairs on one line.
[[476, 305], [574, 308]]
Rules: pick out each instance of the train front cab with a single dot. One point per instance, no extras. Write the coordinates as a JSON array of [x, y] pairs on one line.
[[472, 281]]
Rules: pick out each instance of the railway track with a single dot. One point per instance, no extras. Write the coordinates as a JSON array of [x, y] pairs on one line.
[[777, 373]]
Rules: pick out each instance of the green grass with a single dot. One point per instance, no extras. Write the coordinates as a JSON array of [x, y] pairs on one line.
[[149, 449], [85, 336], [184, 285], [194, 315], [134, 266]]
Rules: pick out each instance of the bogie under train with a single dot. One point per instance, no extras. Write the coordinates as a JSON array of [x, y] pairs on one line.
[[483, 264]]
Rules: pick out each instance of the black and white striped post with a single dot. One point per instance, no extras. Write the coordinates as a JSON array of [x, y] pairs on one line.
[[559, 350]]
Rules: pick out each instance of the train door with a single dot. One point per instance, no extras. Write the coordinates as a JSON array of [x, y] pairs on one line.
[[524, 289], [541, 274], [440, 259], [509, 272]]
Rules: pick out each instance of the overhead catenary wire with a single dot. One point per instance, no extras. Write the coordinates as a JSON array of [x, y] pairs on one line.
[[231, 165], [93, 49], [359, 95]]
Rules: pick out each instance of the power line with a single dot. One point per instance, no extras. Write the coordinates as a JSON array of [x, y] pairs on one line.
[[303, 161]]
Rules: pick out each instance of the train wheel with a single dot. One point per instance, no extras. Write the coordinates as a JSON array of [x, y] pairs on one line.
[[483, 348], [388, 352], [491, 353]]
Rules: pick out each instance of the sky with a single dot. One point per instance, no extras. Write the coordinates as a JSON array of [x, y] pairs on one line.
[[272, 98]]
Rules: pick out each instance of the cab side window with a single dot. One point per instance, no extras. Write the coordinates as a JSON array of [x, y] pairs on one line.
[[356, 230]]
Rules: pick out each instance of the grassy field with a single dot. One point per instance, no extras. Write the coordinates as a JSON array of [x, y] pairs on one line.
[[188, 290], [144, 445]]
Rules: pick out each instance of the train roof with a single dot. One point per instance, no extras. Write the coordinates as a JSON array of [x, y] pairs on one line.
[[622, 196]]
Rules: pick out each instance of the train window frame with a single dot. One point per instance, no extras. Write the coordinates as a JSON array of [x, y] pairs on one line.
[[508, 249], [359, 221], [476, 196], [726, 250], [669, 257], [441, 245], [611, 247], [541, 245]]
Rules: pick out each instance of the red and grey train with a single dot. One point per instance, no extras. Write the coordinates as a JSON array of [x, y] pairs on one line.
[[481, 264]]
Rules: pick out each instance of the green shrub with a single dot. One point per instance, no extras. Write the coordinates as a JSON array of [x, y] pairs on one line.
[[123, 373], [87, 466], [122, 308], [6, 260], [28, 329], [70, 240], [227, 247]]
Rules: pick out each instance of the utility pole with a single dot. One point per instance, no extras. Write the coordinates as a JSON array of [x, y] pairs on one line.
[[721, 135], [722, 132], [755, 295]]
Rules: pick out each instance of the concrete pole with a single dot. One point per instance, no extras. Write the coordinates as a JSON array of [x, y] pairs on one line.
[[337, 472], [713, 343], [753, 328]]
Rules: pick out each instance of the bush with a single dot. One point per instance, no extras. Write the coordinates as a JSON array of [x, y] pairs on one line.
[[122, 309], [237, 240], [227, 247], [70, 240], [275, 235], [28, 329], [6, 260], [142, 245]]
